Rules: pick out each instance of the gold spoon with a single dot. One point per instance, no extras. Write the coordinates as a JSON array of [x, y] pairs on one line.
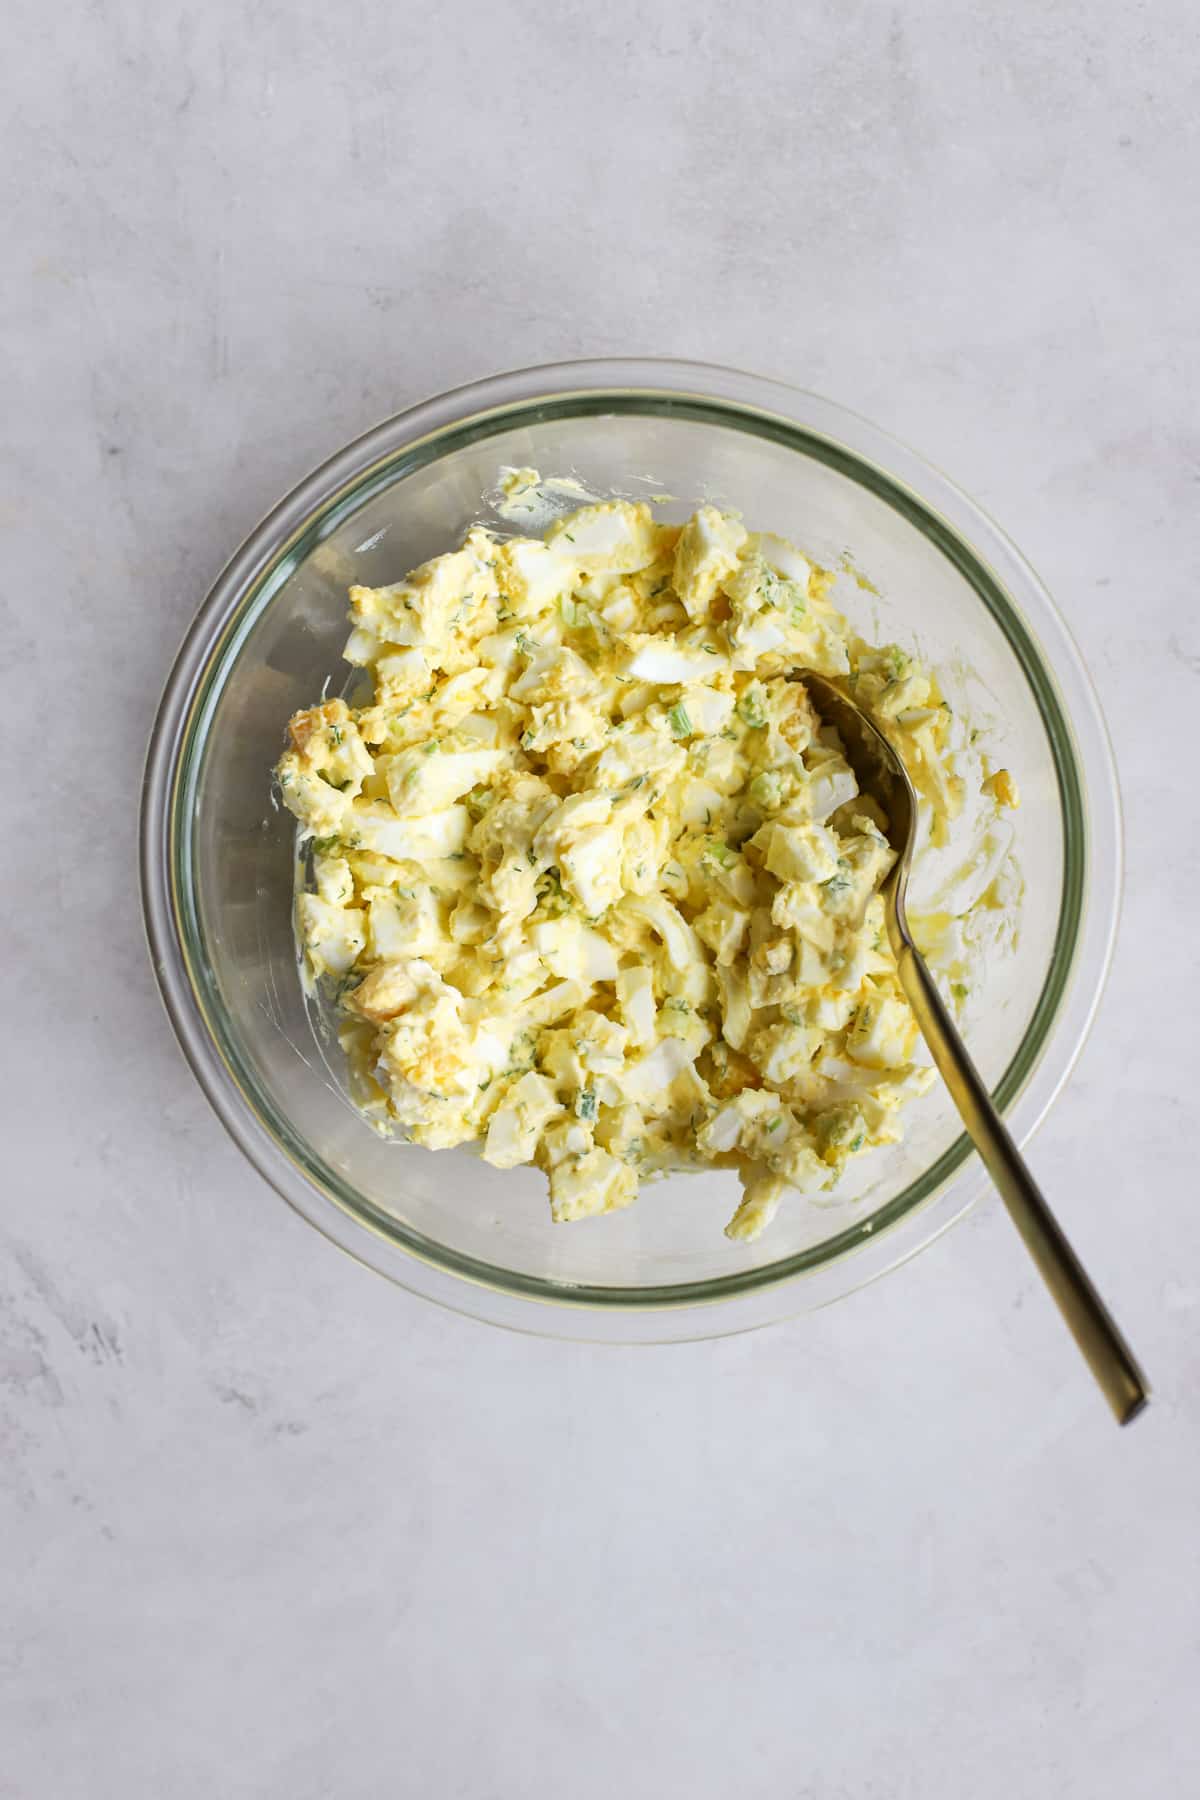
[[882, 775]]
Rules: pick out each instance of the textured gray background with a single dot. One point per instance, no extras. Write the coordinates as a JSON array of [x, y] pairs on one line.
[[272, 1528]]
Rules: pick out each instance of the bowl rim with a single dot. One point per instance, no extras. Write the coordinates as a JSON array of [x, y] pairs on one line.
[[1088, 792]]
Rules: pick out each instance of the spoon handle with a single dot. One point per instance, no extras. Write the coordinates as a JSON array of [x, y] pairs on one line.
[[1092, 1325]]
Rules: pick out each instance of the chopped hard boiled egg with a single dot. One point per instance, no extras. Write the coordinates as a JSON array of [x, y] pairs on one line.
[[592, 883]]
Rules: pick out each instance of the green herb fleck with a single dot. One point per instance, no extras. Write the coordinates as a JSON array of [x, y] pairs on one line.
[[679, 720]]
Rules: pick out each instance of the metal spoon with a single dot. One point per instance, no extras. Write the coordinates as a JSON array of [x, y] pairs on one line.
[[882, 775]]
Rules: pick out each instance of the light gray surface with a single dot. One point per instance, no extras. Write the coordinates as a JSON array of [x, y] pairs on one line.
[[272, 1528]]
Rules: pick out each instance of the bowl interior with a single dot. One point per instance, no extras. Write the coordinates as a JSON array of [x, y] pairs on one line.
[[233, 849]]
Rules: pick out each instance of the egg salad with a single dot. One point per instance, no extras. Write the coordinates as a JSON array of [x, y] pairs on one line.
[[591, 883]]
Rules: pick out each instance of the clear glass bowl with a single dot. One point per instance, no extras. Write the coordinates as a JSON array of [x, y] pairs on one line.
[[217, 856]]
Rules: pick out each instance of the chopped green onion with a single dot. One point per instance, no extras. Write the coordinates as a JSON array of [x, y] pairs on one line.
[[751, 709], [766, 790]]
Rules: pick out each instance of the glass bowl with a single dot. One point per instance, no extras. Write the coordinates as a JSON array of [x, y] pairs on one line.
[[218, 855]]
